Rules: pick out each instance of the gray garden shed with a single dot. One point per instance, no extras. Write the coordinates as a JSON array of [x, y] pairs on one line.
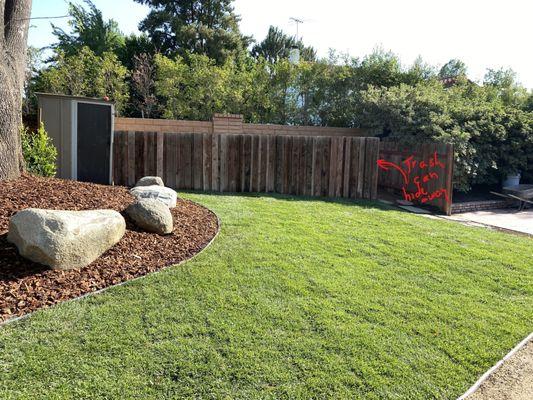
[[81, 129]]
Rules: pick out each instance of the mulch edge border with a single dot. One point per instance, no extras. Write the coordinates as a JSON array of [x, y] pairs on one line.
[[97, 292], [495, 367]]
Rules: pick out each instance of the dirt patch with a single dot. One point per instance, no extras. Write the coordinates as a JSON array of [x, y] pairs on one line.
[[513, 380], [26, 286]]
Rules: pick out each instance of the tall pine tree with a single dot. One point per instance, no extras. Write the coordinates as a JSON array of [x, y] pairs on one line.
[[208, 27]]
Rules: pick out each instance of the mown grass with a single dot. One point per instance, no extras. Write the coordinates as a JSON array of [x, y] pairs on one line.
[[296, 299]]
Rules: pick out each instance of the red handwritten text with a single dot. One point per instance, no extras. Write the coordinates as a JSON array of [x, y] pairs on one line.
[[430, 168]]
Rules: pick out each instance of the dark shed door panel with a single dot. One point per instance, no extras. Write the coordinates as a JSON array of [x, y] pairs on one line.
[[94, 143]]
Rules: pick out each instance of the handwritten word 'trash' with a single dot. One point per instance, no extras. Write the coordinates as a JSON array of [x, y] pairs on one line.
[[430, 168]]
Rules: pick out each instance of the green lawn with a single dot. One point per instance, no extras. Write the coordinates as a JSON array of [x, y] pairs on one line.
[[296, 299]]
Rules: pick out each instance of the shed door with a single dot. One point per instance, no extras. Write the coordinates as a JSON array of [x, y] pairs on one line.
[[94, 143]]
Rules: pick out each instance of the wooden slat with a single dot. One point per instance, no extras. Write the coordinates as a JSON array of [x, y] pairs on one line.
[[359, 191], [317, 167], [207, 148], [215, 163], [171, 157], [223, 163], [271, 163], [197, 161], [254, 164], [247, 163], [131, 158], [339, 166], [295, 165], [347, 167], [371, 156], [333, 167], [159, 153], [117, 159], [278, 180]]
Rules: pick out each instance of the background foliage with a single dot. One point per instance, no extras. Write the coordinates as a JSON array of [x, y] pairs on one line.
[[39, 152], [192, 61]]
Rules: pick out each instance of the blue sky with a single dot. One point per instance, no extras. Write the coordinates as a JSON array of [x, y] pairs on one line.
[[482, 33]]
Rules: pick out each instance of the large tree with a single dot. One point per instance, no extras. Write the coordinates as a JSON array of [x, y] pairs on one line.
[[14, 18], [277, 45], [89, 29], [206, 27]]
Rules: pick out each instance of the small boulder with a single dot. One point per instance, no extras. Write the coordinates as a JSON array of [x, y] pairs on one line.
[[151, 215], [165, 195], [65, 239], [150, 181]]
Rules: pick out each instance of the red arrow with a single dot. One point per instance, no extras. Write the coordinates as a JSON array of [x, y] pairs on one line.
[[384, 165]]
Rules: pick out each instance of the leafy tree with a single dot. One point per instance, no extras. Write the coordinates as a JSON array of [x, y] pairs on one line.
[[453, 69], [205, 27], [33, 66], [277, 45], [39, 152], [88, 30], [86, 74], [505, 87], [490, 139], [134, 46]]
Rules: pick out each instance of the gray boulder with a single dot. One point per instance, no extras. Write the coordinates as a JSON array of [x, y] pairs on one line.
[[65, 239], [151, 215], [150, 181], [163, 194]]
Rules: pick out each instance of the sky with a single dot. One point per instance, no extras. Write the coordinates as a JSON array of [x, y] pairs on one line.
[[482, 33]]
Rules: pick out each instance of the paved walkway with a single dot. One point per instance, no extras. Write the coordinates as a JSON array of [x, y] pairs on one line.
[[505, 218]]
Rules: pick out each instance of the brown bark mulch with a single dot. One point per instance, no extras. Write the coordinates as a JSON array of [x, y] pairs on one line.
[[26, 286]]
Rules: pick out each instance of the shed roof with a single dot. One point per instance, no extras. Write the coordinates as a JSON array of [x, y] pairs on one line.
[[80, 98]]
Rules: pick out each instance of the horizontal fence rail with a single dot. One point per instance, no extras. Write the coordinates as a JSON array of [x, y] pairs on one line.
[[299, 165], [428, 169], [230, 124]]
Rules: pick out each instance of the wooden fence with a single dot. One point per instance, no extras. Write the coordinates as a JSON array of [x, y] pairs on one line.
[[427, 172], [300, 165]]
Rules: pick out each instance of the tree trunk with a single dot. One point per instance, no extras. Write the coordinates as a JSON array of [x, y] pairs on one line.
[[14, 18]]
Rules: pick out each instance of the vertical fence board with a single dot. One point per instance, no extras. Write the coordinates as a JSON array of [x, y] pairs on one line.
[[254, 164], [131, 158], [159, 153], [215, 163], [206, 161], [117, 159], [170, 150], [271, 168], [197, 162], [347, 167]]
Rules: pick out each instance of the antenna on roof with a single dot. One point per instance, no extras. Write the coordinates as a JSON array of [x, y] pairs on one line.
[[297, 21]]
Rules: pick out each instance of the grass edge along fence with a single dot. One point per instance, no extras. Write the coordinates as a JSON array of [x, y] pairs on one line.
[[308, 165]]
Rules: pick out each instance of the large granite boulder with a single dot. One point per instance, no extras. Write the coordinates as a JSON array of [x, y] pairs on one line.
[[151, 215], [65, 239], [150, 181], [163, 194]]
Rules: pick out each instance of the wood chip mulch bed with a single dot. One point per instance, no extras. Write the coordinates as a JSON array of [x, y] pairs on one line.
[[26, 286]]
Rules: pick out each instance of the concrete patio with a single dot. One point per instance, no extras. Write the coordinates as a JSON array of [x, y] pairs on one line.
[[509, 219]]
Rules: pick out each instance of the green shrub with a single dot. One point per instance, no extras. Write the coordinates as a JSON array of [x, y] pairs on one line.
[[39, 152]]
